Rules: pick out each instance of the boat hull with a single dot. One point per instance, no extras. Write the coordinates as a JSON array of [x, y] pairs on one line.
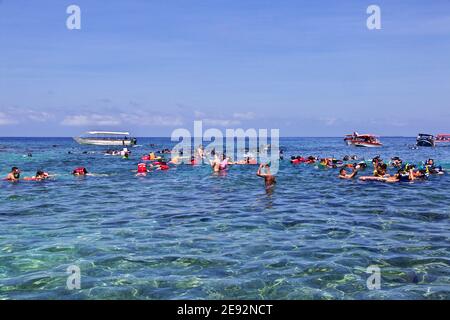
[[366, 145], [103, 142], [425, 143]]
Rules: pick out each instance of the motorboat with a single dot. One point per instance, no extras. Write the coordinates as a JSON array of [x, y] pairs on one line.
[[362, 140], [425, 140], [106, 138], [442, 138]]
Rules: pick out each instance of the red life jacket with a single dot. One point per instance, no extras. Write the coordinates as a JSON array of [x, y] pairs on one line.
[[80, 170], [142, 167], [164, 167]]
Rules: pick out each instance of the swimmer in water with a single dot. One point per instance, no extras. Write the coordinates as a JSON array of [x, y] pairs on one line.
[[200, 152], [142, 169], [218, 165], [344, 175], [224, 163], [380, 170], [431, 168], [40, 175], [269, 179], [215, 164], [175, 160], [14, 175], [81, 171], [396, 162], [401, 175]]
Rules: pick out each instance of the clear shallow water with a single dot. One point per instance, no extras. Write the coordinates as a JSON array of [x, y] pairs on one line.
[[187, 234]]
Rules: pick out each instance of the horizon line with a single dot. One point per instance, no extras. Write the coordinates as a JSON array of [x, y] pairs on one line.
[[70, 137]]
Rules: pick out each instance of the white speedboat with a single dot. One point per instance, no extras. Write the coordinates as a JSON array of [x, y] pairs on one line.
[[362, 140], [106, 138]]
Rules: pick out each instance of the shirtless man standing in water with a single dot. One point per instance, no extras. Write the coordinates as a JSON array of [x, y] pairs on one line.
[[269, 179]]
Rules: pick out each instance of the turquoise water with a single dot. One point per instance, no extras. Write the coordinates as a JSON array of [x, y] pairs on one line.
[[188, 234]]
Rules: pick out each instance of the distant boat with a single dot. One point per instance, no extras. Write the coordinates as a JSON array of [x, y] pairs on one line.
[[442, 138], [425, 140], [362, 140], [106, 138]]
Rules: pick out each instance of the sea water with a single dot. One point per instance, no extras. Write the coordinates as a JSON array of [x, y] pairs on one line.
[[186, 233]]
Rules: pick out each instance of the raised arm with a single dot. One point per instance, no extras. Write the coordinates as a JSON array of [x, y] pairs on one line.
[[258, 173], [353, 174]]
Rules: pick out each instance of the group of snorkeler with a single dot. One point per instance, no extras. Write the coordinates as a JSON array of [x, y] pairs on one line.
[[125, 153], [405, 172], [349, 166], [331, 163]]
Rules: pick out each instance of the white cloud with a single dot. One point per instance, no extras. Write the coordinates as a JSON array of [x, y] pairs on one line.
[[221, 122], [36, 116], [244, 115], [139, 119], [145, 119], [199, 114], [329, 121], [15, 115], [6, 119], [90, 120]]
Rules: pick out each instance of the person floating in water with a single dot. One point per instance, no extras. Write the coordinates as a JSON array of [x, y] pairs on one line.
[[431, 168], [400, 176], [269, 179], [380, 170], [142, 169], [40, 175], [200, 152], [344, 175], [396, 162], [81, 171], [14, 175]]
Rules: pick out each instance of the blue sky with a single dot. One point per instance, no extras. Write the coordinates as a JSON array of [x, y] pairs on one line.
[[309, 68]]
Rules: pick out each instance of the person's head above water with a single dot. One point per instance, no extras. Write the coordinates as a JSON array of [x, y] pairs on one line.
[[81, 171], [377, 159], [40, 174], [16, 172]]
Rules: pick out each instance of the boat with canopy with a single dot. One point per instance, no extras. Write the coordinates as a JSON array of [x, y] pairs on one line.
[[106, 138]]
